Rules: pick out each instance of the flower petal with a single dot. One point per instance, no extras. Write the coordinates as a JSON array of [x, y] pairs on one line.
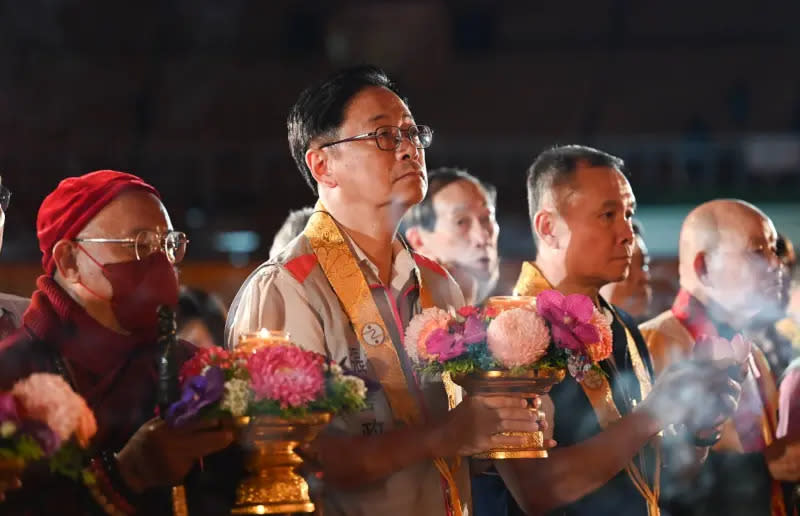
[[549, 300], [579, 307], [586, 333]]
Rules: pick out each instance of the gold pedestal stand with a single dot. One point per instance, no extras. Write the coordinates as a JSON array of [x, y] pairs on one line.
[[524, 385], [272, 485]]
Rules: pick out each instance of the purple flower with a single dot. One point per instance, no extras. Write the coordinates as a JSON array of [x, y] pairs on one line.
[[8, 408], [43, 435], [445, 345], [474, 330], [199, 391], [569, 317]]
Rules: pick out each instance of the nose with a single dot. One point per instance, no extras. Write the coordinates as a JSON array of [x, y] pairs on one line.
[[627, 233], [406, 148]]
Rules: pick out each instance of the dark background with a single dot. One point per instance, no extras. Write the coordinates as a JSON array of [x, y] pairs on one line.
[[701, 98]]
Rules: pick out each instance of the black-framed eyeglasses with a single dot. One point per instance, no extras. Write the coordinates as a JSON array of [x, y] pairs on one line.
[[389, 137], [173, 244], [5, 197]]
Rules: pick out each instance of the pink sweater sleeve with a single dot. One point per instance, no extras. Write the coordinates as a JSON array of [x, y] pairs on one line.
[[789, 404]]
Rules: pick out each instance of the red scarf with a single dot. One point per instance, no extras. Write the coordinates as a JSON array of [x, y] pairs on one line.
[[115, 373]]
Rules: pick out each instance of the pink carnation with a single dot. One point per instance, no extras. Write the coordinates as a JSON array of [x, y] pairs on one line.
[[286, 374], [518, 337], [601, 349], [420, 328], [48, 398]]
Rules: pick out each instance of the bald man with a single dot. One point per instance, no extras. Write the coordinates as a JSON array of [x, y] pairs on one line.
[[729, 273]]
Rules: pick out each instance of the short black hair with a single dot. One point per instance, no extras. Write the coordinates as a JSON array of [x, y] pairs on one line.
[[556, 166], [423, 215], [319, 110], [195, 304]]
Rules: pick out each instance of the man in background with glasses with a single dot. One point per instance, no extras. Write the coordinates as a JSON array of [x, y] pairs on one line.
[[11, 306], [108, 253], [348, 287]]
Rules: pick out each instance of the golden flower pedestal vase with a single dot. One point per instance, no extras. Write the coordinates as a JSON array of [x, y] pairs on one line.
[[527, 385], [272, 484]]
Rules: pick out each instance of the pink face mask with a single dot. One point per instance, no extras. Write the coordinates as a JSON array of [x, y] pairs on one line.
[[139, 288]]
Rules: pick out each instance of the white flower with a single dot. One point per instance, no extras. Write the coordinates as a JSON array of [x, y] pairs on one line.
[[7, 429], [236, 397], [336, 370], [356, 385]]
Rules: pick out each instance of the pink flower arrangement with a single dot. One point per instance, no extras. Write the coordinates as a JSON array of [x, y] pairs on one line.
[[278, 380], [518, 337], [42, 417], [48, 398], [420, 328], [286, 374], [557, 331]]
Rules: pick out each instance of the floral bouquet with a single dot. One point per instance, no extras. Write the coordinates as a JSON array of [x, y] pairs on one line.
[[520, 351], [554, 332], [43, 418], [284, 381], [279, 397]]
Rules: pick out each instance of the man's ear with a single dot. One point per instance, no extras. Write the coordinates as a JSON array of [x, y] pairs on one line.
[[700, 266], [317, 163], [414, 238], [65, 258], [544, 224]]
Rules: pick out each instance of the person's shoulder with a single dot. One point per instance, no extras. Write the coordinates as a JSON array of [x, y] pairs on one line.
[[14, 304], [664, 326], [21, 354], [445, 289], [428, 264], [296, 261]]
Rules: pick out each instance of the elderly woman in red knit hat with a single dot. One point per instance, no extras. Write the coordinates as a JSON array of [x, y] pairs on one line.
[[109, 251]]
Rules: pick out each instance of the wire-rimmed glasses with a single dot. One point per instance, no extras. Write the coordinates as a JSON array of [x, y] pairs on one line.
[[172, 243], [389, 137]]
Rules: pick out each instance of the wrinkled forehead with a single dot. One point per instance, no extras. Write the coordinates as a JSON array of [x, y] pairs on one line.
[[130, 212]]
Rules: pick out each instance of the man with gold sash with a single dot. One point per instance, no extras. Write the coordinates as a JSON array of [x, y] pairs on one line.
[[348, 286], [608, 427], [729, 273]]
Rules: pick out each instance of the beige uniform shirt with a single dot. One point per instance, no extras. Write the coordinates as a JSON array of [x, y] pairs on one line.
[[292, 293]]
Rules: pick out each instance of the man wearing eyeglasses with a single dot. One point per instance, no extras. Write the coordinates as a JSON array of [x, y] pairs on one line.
[[348, 287], [11, 306], [108, 254]]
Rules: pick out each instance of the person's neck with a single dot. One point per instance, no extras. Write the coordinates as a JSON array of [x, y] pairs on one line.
[[373, 229], [715, 311], [99, 311], [555, 272]]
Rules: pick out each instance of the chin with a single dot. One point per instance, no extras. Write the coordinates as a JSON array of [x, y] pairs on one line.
[[409, 195]]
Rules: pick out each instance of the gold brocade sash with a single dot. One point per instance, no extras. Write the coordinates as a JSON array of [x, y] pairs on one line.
[[598, 390], [769, 423], [348, 282]]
